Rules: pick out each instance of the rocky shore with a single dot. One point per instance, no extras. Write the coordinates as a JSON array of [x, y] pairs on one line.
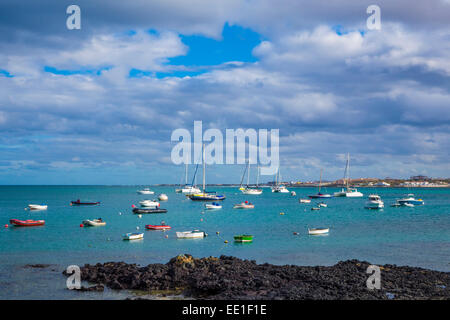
[[232, 278]]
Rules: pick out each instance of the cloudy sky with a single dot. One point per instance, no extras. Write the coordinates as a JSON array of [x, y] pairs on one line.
[[98, 105]]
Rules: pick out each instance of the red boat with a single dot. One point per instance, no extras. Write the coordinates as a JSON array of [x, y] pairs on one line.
[[79, 203], [157, 227], [26, 223]]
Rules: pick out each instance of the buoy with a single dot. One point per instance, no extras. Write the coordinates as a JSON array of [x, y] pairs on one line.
[[167, 236], [81, 226], [295, 233], [246, 201], [226, 241], [137, 228], [282, 213], [140, 216], [217, 232], [133, 206], [120, 213], [6, 226]]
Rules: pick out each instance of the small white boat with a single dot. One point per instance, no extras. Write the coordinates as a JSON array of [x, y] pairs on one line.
[[293, 193], [347, 191], [163, 197], [133, 236], [315, 208], [149, 203], [252, 191], [304, 200], [374, 202], [410, 200], [280, 189], [213, 206], [145, 191], [37, 207], [316, 231], [244, 205], [190, 234], [94, 222], [322, 204]]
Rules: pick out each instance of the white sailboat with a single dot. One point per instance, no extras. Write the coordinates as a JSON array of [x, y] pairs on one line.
[[188, 188], [205, 195], [248, 189], [347, 191], [279, 187]]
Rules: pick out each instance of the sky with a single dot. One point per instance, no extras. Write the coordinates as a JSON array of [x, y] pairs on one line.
[[98, 105]]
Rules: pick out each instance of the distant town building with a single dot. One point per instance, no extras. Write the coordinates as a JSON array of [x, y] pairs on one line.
[[383, 184], [419, 178]]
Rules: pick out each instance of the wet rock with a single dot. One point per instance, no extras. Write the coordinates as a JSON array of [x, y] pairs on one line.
[[232, 278]]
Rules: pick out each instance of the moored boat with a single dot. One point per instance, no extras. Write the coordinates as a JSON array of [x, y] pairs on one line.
[[347, 191], [94, 222], [244, 205], [146, 191], [304, 200], [317, 231], [213, 206], [322, 204], [320, 195], [149, 203], [191, 234], [374, 202], [133, 236], [243, 238], [411, 200], [157, 227], [37, 207], [149, 210], [26, 223], [79, 203], [163, 197]]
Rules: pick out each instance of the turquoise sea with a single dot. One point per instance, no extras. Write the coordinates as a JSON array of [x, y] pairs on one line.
[[418, 236]]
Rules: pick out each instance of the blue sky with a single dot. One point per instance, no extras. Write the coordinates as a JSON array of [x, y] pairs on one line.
[[98, 105]]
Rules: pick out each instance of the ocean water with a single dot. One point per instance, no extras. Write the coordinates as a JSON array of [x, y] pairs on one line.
[[418, 236]]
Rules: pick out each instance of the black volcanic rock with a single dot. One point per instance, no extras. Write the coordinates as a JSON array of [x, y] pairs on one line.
[[232, 278]]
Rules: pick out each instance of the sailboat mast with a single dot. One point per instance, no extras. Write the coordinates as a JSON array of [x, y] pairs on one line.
[[186, 174], [248, 173], [320, 181], [257, 177], [204, 167], [348, 170]]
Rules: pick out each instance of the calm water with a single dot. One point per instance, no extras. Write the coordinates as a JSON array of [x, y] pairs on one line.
[[418, 236]]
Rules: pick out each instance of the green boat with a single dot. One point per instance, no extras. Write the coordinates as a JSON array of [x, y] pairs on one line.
[[243, 238]]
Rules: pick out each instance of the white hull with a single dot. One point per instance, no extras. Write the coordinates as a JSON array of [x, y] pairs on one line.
[[146, 191], [318, 231], [37, 207], [149, 203], [252, 191], [212, 207], [190, 234], [374, 205], [163, 197], [348, 194], [280, 190], [94, 223], [191, 190], [133, 236], [305, 201]]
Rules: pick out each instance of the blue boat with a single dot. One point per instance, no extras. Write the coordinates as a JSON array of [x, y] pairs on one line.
[[410, 200]]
